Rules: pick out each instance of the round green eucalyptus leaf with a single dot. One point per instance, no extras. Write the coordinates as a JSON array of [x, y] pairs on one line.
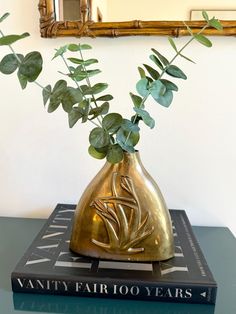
[[169, 85], [147, 119], [89, 62], [73, 47], [142, 87], [101, 110], [203, 40], [171, 41], [84, 47], [9, 63], [127, 125], [75, 60], [105, 98], [46, 93], [95, 153], [164, 61], [111, 122], [60, 51], [57, 95], [174, 71], [216, 24], [127, 148], [73, 116], [71, 97], [10, 39], [53, 105], [205, 15], [141, 73], [99, 87], [157, 89], [127, 137], [31, 66], [115, 154], [59, 87], [133, 138], [166, 99], [22, 79], [156, 61], [154, 74], [99, 138], [137, 100]]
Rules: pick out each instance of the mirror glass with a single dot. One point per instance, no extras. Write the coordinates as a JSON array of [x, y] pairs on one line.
[[148, 10]]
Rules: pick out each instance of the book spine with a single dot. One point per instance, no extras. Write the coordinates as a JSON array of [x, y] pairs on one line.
[[123, 289]]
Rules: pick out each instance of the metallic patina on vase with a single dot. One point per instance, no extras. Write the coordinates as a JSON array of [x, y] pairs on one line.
[[122, 216]]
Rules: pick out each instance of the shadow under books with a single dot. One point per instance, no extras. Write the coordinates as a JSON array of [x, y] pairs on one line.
[[83, 305]]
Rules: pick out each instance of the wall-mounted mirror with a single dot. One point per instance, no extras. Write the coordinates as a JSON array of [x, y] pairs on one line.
[[113, 18]]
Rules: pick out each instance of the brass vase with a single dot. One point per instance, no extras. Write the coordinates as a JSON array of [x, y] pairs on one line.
[[122, 215]]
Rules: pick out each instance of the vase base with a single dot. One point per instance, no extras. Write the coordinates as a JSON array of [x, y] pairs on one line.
[[125, 257]]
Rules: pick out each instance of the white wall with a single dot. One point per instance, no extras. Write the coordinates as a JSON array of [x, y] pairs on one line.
[[120, 10], [191, 153], [102, 5]]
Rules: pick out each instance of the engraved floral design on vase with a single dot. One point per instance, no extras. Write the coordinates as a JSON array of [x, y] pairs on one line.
[[122, 217]]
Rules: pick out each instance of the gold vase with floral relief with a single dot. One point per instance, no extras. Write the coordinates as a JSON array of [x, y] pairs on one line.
[[122, 215]]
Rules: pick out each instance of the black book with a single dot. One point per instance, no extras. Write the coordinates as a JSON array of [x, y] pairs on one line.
[[49, 267]]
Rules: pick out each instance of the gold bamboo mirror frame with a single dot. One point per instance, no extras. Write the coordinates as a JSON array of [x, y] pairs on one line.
[[50, 26]]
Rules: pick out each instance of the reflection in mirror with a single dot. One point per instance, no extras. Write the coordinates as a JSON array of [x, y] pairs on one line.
[[71, 10], [67, 10], [123, 10]]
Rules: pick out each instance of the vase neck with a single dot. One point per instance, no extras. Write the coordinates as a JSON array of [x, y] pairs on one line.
[[130, 161], [131, 158]]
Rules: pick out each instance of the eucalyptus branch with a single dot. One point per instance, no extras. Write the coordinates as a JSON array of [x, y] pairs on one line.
[[19, 61], [178, 53], [36, 82], [87, 78], [113, 134], [12, 50], [89, 84], [184, 46], [66, 64], [77, 84], [136, 117]]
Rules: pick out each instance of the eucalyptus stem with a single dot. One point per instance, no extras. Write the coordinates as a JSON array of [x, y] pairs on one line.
[[87, 78], [89, 84], [64, 60], [184, 46], [12, 50], [80, 90], [97, 125], [136, 116], [41, 86]]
